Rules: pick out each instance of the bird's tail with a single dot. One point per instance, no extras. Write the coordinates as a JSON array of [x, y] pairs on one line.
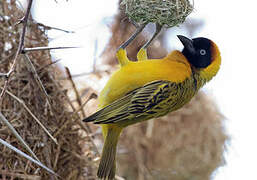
[[107, 164]]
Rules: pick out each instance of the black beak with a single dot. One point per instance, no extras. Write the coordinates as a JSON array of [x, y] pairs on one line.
[[187, 43]]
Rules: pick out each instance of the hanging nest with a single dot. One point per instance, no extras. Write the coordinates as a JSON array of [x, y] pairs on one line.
[[24, 102], [164, 12]]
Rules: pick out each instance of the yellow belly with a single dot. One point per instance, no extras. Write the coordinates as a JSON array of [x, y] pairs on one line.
[[137, 74]]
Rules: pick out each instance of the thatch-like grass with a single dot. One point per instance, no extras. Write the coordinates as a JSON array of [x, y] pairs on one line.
[[167, 13], [34, 94]]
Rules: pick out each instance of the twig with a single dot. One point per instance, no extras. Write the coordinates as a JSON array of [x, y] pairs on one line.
[[5, 88], [46, 26], [39, 82], [40, 69], [75, 113], [16, 134], [81, 124], [33, 116], [25, 50], [70, 103], [57, 155], [27, 156], [19, 50], [49, 64], [74, 110], [75, 90], [28, 161], [85, 126], [92, 95], [50, 27]]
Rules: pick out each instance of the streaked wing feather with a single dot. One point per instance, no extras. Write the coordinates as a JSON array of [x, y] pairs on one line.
[[153, 96], [109, 110], [141, 102]]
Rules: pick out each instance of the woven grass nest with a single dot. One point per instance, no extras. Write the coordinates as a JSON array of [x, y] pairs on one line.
[[164, 12], [24, 102]]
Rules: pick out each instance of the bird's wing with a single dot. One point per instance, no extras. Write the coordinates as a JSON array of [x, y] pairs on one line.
[[144, 101], [149, 99], [111, 110]]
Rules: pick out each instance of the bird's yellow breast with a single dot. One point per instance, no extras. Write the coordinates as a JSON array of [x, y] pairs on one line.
[[173, 67]]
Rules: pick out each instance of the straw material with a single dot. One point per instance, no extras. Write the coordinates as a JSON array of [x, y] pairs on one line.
[[26, 101], [169, 12]]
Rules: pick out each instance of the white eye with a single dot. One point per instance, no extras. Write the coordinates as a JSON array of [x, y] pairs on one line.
[[202, 52]]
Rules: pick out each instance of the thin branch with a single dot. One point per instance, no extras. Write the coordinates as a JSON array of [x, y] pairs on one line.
[[84, 126], [25, 50], [50, 27], [4, 89], [57, 155], [75, 90], [33, 116], [32, 68], [16, 134], [27, 156], [24, 21], [40, 69], [49, 64], [20, 47], [92, 96]]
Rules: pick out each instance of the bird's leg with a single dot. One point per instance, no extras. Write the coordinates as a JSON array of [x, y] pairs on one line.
[[122, 57], [142, 54], [132, 37], [121, 53]]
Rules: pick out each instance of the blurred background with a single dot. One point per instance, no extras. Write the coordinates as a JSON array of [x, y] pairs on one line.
[[231, 24]]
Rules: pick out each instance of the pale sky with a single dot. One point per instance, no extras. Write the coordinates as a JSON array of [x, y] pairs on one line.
[[230, 23]]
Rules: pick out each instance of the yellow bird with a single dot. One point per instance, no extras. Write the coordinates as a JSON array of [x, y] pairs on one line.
[[150, 88]]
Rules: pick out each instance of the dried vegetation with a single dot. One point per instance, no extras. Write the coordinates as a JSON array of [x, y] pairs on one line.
[[34, 94]]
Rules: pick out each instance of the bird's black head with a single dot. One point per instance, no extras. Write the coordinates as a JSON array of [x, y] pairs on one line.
[[198, 51]]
